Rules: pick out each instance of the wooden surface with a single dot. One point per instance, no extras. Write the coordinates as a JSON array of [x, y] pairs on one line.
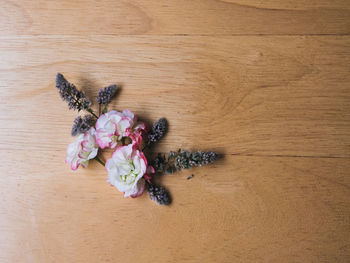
[[264, 83]]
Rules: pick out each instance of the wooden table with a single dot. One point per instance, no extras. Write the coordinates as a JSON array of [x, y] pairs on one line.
[[264, 83]]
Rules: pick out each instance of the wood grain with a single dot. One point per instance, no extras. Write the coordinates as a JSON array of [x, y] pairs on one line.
[[245, 209], [244, 95], [264, 83], [214, 17]]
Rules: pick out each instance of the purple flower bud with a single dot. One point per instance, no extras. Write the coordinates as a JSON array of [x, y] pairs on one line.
[[75, 98]]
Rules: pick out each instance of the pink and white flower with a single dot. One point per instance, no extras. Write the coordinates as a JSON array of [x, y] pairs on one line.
[[82, 150], [137, 133], [112, 126], [126, 169]]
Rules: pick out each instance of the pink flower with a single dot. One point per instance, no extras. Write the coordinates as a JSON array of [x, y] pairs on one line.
[[150, 170], [82, 150], [126, 169], [112, 126], [138, 132]]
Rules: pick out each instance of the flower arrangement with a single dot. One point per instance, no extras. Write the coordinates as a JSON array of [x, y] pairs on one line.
[[129, 170]]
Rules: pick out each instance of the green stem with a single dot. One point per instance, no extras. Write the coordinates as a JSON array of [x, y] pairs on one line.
[[92, 112], [99, 160], [89, 109], [105, 109]]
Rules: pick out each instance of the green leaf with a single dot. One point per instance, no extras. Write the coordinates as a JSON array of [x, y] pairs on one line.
[[105, 109]]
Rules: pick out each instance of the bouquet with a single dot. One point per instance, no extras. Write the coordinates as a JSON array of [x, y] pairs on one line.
[[129, 169]]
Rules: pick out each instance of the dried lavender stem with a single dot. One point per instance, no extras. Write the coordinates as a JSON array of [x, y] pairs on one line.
[[82, 124], [158, 194], [182, 159], [75, 98], [88, 109]]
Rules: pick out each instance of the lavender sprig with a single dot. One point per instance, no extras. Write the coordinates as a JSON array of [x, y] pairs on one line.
[[186, 160], [158, 130], [82, 125], [106, 94], [75, 98], [158, 194], [182, 159]]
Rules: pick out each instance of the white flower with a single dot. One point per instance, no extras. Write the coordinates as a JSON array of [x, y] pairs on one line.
[[112, 126], [106, 129], [82, 150], [126, 169]]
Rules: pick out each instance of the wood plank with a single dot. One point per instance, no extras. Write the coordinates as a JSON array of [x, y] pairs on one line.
[[264, 83], [238, 95], [215, 17], [245, 209]]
